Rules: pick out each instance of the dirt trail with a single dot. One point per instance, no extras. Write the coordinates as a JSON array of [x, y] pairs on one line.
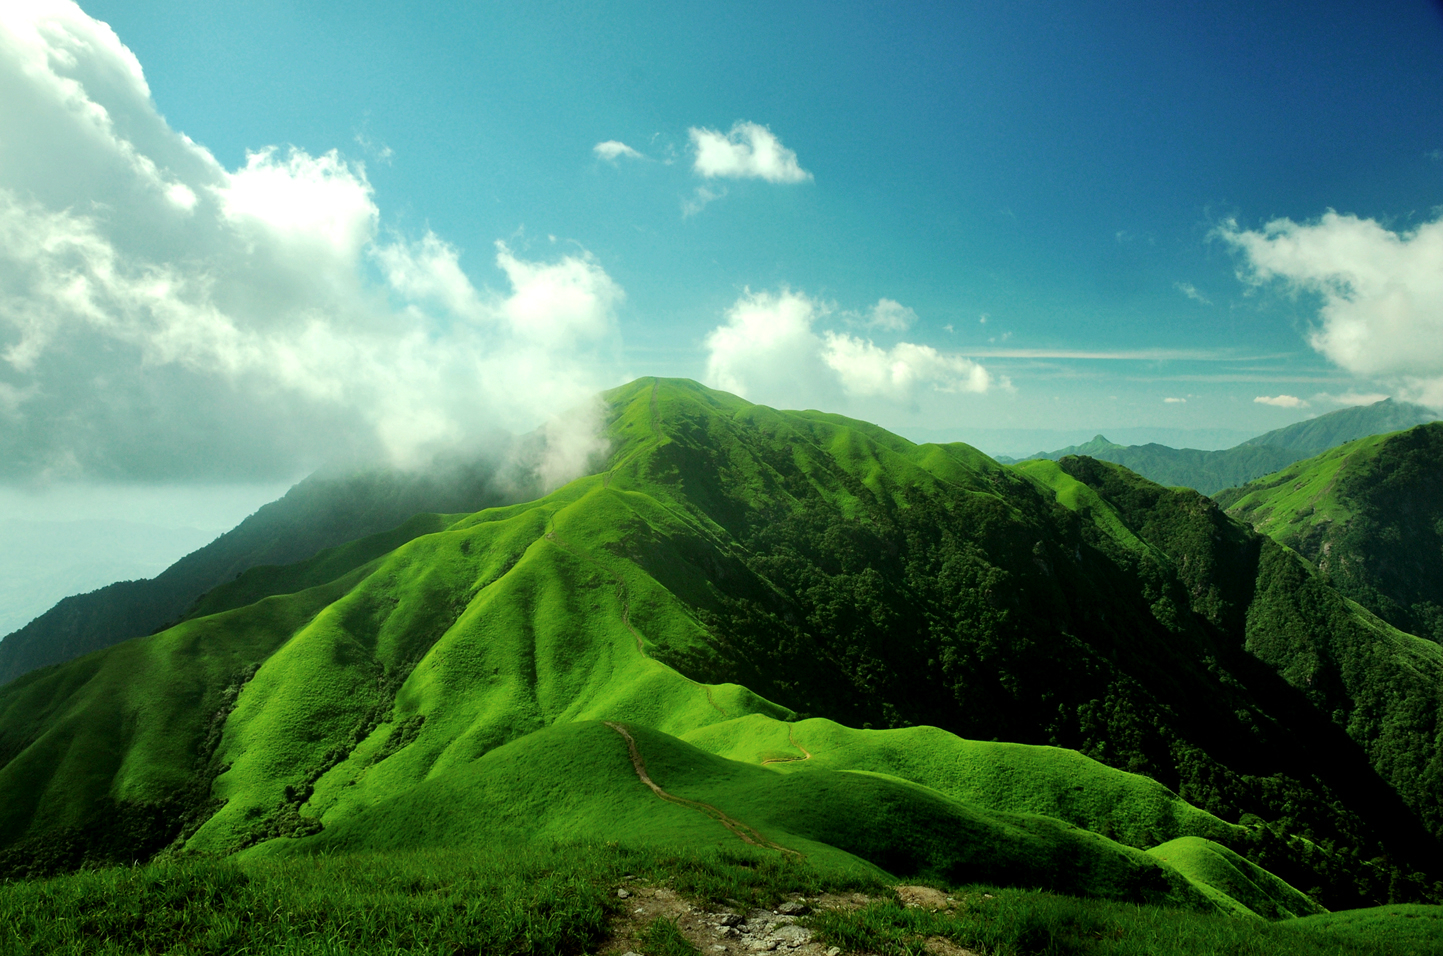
[[624, 596], [791, 737], [746, 833]]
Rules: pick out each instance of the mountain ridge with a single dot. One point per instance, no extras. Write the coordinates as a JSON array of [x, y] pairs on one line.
[[676, 590]]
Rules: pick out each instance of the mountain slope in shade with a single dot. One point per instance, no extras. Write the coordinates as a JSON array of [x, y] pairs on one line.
[[1212, 471], [735, 575], [1369, 516], [323, 511]]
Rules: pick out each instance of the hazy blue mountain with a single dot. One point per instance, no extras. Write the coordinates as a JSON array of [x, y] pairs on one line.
[[43, 561], [1212, 471], [323, 511]]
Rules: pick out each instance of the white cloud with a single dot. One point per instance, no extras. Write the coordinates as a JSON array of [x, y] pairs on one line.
[[890, 316], [769, 350], [1381, 292], [613, 150], [748, 151], [1175, 401], [164, 318], [1190, 290], [1281, 401], [898, 373]]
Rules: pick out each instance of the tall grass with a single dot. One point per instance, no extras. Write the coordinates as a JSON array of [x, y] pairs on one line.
[[999, 922], [509, 900]]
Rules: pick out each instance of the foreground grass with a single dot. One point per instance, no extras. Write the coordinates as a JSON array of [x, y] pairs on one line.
[[511, 899], [999, 922], [560, 899]]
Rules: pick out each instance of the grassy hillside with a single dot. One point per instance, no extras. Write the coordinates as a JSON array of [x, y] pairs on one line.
[[735, 572], [1369, 516], [1213, 471]]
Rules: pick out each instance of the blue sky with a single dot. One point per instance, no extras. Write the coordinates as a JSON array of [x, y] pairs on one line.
[[1064, 206], [1059, 168]]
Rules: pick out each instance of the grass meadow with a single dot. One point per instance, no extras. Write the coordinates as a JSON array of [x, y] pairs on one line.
[[560, 899]]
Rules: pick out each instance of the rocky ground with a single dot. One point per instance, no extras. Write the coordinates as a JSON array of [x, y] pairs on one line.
[[735, 931]]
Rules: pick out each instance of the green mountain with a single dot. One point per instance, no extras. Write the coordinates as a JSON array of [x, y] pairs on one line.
[[326, 510], [1212, 471], [787, 630], [1369, 516]]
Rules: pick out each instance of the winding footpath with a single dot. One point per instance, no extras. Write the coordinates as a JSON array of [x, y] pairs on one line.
[[746, 833], [791, 738]]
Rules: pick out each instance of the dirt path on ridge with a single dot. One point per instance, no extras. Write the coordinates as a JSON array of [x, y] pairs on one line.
[[746, 833], [792, 739]]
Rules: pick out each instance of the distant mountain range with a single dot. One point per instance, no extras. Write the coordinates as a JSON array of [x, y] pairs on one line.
[[789, 630], [1212, 471]]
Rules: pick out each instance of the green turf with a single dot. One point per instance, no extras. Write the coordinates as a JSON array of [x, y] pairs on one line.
[[1404, 928], [1232, 882], [1007, 922]]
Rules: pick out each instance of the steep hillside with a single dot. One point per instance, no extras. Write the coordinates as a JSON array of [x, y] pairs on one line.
[[1212, 471], [1369, 516], [323, 511], [735, 574]]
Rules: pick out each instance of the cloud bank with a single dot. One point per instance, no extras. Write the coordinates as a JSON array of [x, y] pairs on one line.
[[163, 317], [1381, 292], [770, 350]]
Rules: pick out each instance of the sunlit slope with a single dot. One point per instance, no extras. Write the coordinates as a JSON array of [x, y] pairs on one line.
[[1232, 883], [836, 570], [577, 781], [1063, 784], [1369, 517]]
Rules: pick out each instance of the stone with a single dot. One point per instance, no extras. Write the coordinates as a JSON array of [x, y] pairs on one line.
[[728, 919], [762, 945], [793, 908], [795, 935], [623, 894], [834, 951]]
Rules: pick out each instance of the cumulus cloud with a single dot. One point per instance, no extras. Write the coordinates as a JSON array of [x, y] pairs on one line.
[[615, 149], [771, 350], [1381, 292], [748, 151], [163, 317], [1281, 401], [890, 316], [897, 373]]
